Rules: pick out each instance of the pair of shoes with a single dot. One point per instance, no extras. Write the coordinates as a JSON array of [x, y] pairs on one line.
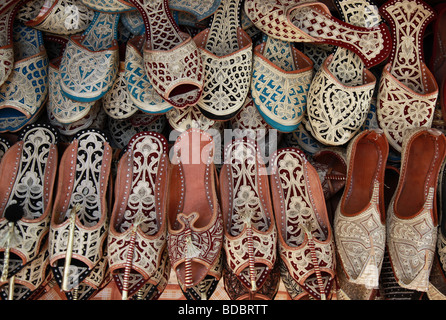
[[28, 173], [363, 227]]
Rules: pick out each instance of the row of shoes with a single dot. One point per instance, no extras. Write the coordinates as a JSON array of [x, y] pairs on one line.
[[247, 223], [254, 220]]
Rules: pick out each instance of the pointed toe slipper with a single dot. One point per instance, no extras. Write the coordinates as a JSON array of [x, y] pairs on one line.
[[359, 221], [412, 218], [195, 222], [138, 219], [28, 173], [79, 222], [305, 237], [250, 241]]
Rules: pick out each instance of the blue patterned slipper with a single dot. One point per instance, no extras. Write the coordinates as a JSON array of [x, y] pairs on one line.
[[280, 81], [19, 107], [90, 61]]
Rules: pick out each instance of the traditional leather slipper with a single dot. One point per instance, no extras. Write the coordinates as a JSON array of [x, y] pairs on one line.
[[441, 206], [226, 51], [28, 173], [122, 131], [412, 218], [117, 102], [142, 93], [249, 228], [24, 284], [438, 58], [237, 291], [171, 58], [138, 219], [62, 17], [109, 6], [79, 222], [304, 139], [313, 22], [200, 10], [341, 92], [304, 230], [359, 222], [281, 78], [19, 107], [407, 91], [63, 109], [195, 223], [90, 61]]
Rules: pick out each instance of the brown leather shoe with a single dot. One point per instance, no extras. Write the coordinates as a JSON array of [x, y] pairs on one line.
[[195, 224], [412, 216], [250, 232], [360, 217]]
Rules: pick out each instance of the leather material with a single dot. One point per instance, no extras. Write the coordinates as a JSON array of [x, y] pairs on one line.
[[412, 220], [305, 237], [359, 222], [195, 223]]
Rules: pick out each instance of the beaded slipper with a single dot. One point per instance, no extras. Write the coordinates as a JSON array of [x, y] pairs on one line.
[[306, 243], [28, 280], [28, 173], [19, 107], [200, 10], [109, 6], [79, 222], [142, 93], [195, 222], [359, 221], [90, 61], [62, 17], [313, 22], [250, 231], [63, 109], [226, 51], [407, 91], [138, 217], [412, 217], [341, 91], [281, 78], [171, 58], [117, 102]]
